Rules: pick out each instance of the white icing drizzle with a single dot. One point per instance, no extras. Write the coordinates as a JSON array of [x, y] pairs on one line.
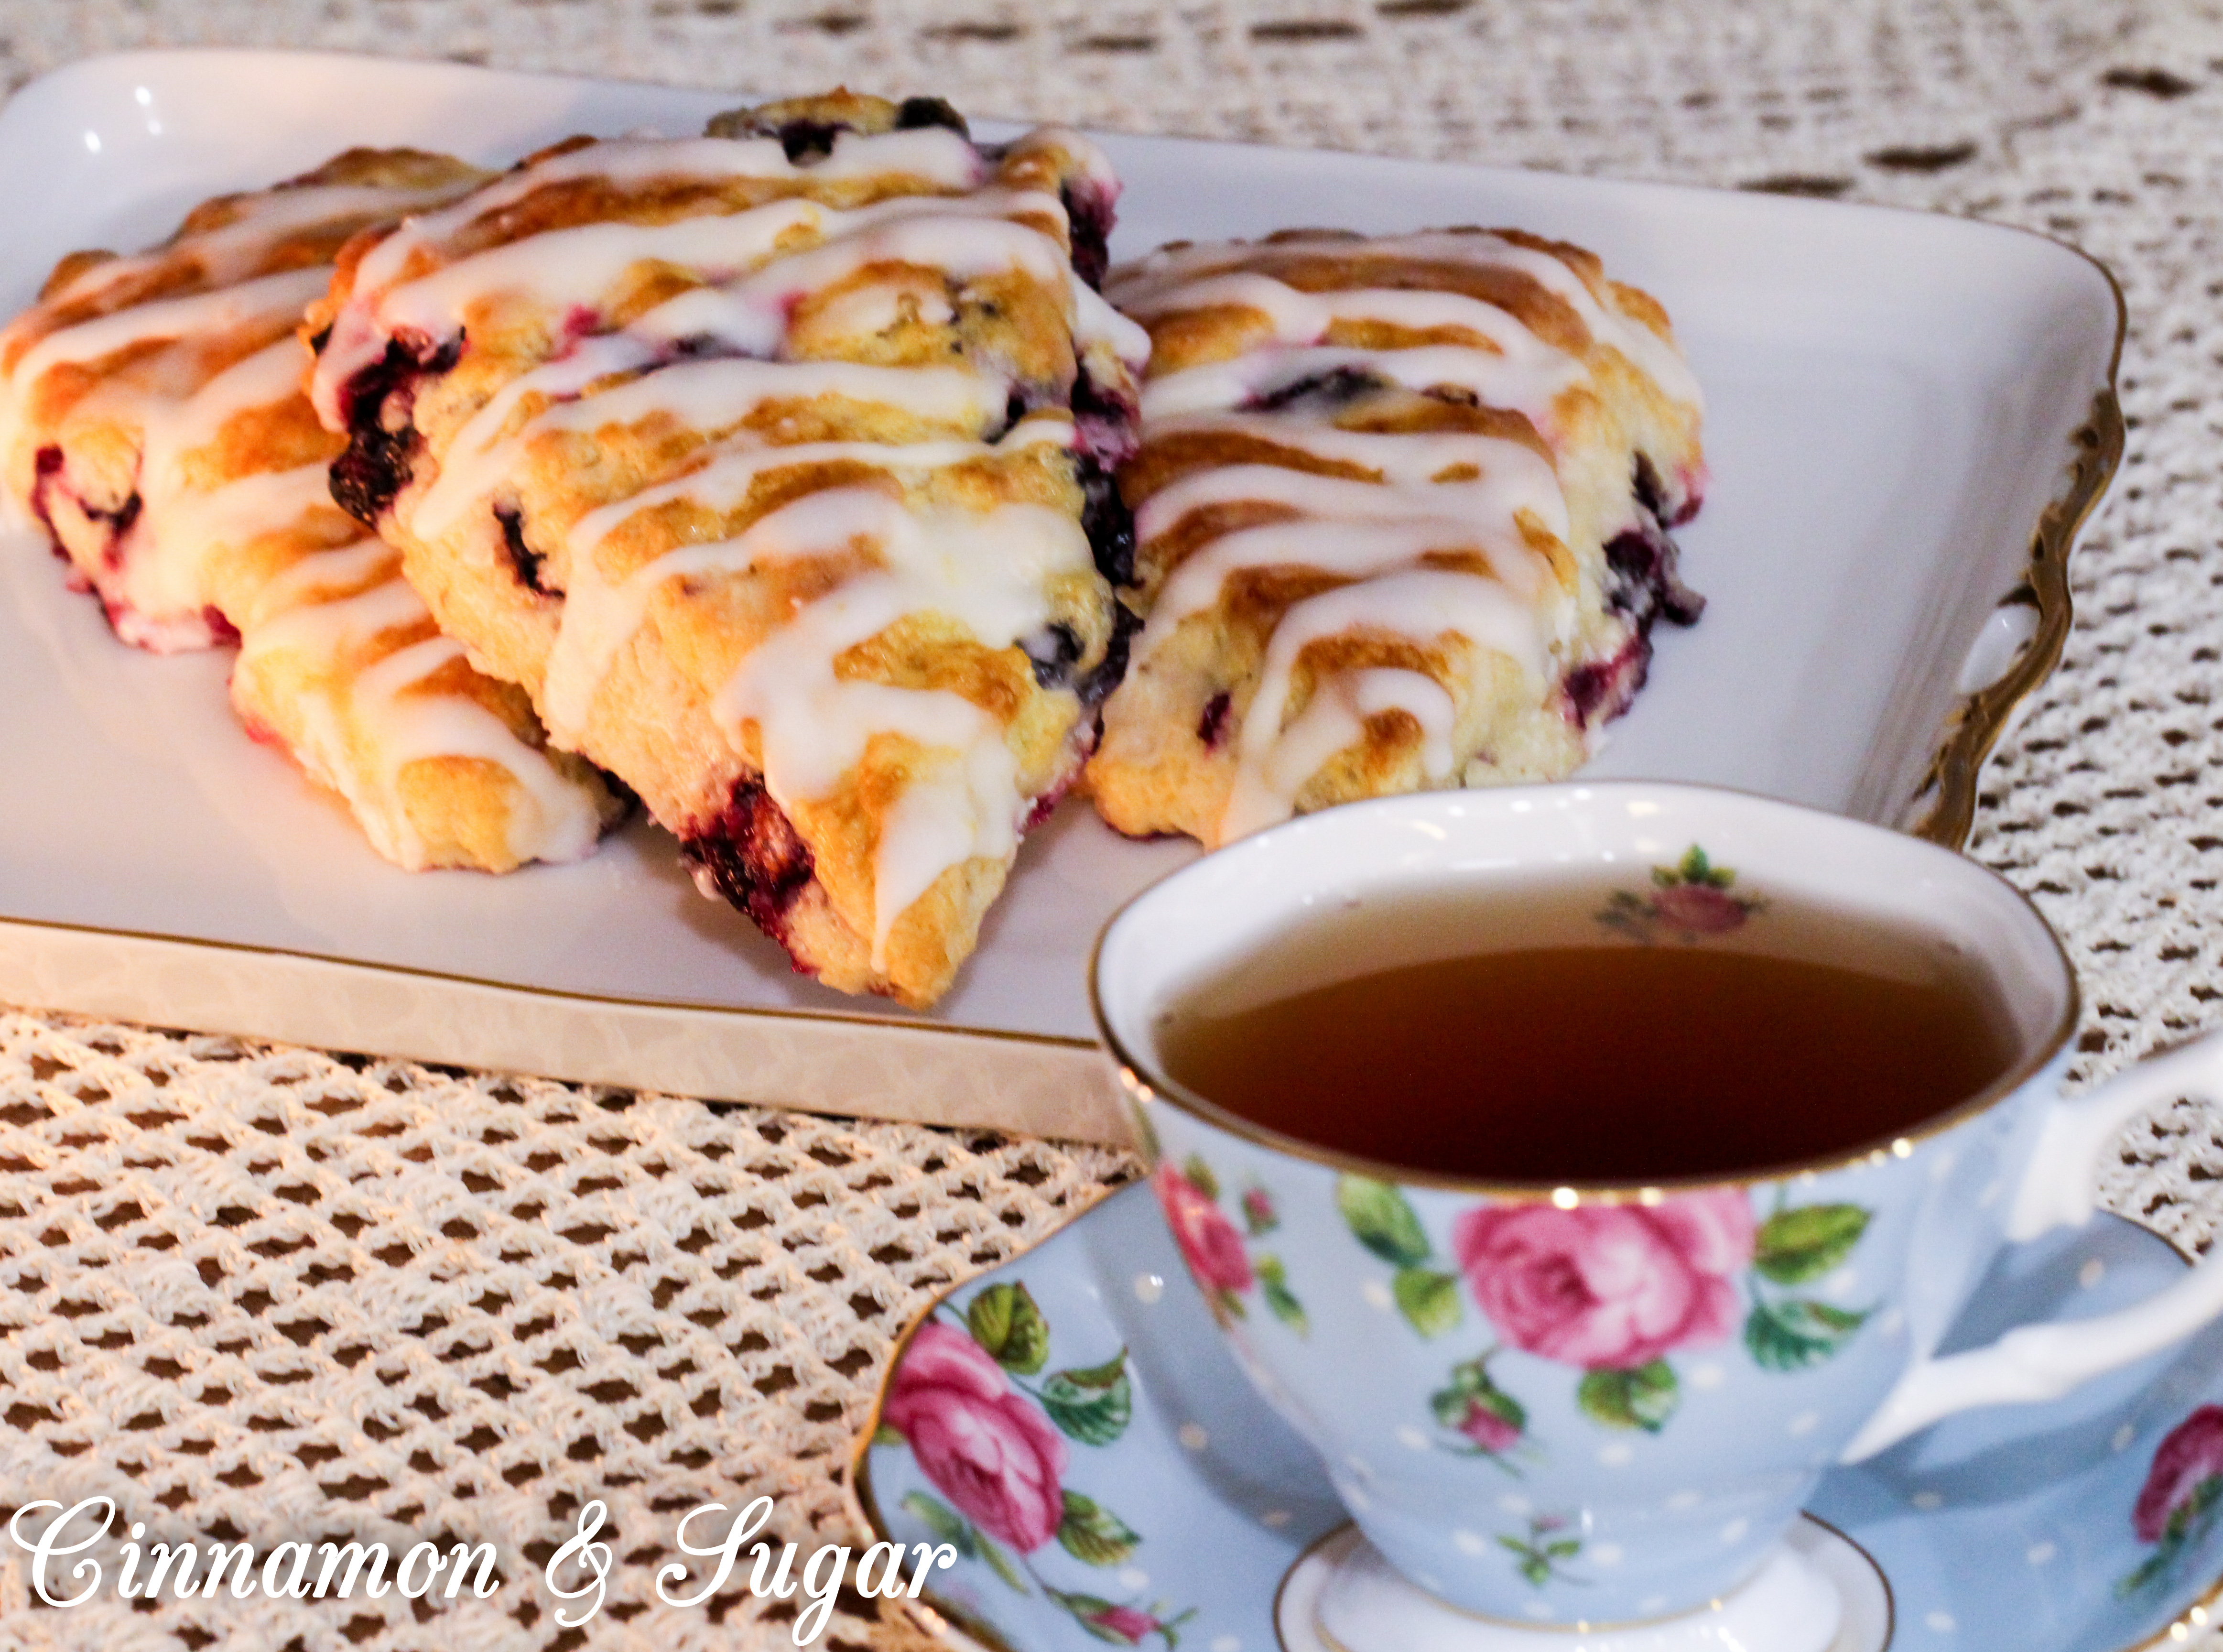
[[598, 619], [1353, 549], [730, 470], [478, 454], [166, 319], [1091, 159], [270, 376], [990, 571], [935, 155], [1369, 532], [987, 571], [940, 158], [549, 817], [1513, 479], [580, 264], [1416, 602], [706, 395], [158, 586], [1528, 387], [1095, 321], [1149, 283], [1334, 718], [1305, 318], [959, 244], [1401, 458], [229, 254], [317, 578], [185, 525], [322, 629]]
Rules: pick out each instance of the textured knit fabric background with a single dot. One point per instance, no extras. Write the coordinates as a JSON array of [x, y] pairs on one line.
[[267, 1293]]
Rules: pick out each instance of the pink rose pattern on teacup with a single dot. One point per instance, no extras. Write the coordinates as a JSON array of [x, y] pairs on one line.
[[1688, 901], [996, 1449], [1612, 1290], [1208, 1241], [990, 1452], [1607, 1287], [1218, 1258], [2178, 1504]]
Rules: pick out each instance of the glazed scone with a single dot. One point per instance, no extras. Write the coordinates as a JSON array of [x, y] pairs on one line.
[[1401, 511], [775, 464], [156, 423]]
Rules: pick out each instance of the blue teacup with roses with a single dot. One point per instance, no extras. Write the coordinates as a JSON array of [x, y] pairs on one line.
[[1562, 1405]]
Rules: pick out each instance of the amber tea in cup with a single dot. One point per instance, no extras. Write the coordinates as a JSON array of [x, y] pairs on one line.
[[1583, 1031]]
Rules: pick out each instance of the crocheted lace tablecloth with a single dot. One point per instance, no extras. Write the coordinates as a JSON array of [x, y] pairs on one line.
[[265, 1292]]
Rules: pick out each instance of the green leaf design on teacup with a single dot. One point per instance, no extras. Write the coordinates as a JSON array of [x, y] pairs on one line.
[[1092, 1404], [1429, 1300], [1091, 1533], [1794, 1247], [1643, 1397], [1797, 1246], [942, 1520], [1004, 1321], [1381, 1219], [1274, 1285], [1542, 1555], [1794, 1335], [1000, 1563], [962, 1534]]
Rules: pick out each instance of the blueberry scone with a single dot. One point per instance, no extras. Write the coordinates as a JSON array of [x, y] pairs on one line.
[[1401, 512], [775, 466], [156, 423]]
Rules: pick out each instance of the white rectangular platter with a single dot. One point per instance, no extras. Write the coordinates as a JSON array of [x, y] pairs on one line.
[[1903, 412]]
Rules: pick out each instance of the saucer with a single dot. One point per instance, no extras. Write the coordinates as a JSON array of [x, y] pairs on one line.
[[1148, 1496]]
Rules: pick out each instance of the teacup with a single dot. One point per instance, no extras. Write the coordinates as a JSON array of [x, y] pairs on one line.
[[1504, 1417]]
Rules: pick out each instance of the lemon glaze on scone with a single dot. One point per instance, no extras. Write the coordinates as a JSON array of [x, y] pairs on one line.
[[1401, 511], [775, 464], [156, 423]]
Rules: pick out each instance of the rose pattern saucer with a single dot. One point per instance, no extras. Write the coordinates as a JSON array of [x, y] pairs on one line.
[[1085, 1378]]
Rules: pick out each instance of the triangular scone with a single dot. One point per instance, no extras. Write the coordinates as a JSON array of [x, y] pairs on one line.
[[156, 423], [1401, 512], [776, 465]]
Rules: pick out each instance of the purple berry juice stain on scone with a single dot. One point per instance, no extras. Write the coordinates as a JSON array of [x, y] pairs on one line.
[[748, 854]]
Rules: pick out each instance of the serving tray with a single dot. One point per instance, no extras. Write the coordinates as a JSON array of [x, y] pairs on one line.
[[1909, 417]]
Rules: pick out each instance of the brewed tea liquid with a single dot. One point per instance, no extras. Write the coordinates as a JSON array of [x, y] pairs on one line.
[[1600, 1060]]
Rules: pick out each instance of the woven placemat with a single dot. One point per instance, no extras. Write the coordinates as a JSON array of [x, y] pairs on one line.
[[266, 1293]]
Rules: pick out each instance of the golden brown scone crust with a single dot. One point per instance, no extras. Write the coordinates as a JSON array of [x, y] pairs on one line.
[[157, 424], [864, 398], [1333, 426]]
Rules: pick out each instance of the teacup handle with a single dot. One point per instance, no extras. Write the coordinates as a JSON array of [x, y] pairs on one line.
[[2059, 1190]]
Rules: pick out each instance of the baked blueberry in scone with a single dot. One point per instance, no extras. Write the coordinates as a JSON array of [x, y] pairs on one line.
[[775, 466], [156, 422], [1402, 510]]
